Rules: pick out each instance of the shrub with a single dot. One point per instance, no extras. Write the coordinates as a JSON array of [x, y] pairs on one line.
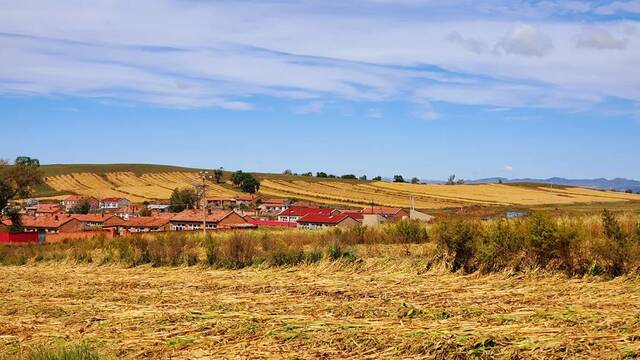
[[212, 250], [407, 232], [456, 240], [499, 246], [337, 252], [238, 251], [542, 239]]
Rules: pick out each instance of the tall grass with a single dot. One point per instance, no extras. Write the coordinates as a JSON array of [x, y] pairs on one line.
[[599, 245]]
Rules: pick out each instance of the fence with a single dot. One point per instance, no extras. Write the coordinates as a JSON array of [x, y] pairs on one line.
[[18, 238]]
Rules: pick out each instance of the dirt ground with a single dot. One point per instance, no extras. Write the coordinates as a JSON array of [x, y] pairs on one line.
[[374, 308]]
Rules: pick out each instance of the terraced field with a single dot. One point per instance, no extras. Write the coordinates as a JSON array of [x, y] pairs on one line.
[[438, 196], [127, 184]]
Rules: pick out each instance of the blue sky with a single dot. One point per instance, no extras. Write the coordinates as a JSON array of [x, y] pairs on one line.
[[378, 87]]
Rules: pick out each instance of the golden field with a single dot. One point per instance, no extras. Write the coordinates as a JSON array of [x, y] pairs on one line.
[[150, 186], [383, 306], [438, 196], [159, 185]]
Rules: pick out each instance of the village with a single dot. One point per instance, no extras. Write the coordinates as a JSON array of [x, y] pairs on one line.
[[114, 216]]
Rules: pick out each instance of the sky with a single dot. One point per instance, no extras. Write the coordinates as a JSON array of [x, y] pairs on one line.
[[420, 88]]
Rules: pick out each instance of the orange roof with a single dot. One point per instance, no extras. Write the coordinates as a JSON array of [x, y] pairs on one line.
[[196, 215], [220, 198], [148, 221], [48, 208], [47, 222], [93, 218], [381, 210], [73, 198]]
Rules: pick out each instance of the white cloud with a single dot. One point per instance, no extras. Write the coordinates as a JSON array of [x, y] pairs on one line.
[[599, 39], [508, 168], [526, 40], [472, 45], [223, 53]]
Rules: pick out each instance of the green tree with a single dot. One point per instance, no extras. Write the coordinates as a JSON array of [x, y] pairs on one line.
[[377, 178], [245, 181], [250, 184], [145, 212], [321, 174], [16, 223], [452, 180], [217, 175], [182, 199], [18, 180], [415, 180], [308, 174], [363, 178], [349, 176], [82, 208], [398, 178]]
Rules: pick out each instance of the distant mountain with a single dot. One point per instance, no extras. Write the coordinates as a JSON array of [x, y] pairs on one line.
[[619, 184]]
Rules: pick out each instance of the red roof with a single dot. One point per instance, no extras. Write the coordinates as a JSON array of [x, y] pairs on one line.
[[302, 211], [148, 221], [45, 222], [356, 214], [48, 208], [196, 215], [220, 198], [73, 198], [323, 218], [381, 210], [93, 218]]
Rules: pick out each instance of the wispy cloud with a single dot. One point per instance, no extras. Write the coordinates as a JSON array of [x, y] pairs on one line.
[[222, 54]]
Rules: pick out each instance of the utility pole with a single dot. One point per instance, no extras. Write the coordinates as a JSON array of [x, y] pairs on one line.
[[204, 176]]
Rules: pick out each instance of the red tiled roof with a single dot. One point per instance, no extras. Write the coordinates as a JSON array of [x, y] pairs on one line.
[[302, 211], [48, 208], [323, 218], [147, 221], [190, 215], [356, 214], [93, 218], [45, 222], [381, 210], [73, 198]]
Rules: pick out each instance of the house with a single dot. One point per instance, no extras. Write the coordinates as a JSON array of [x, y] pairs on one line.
[[246, 200], [71, 201], [318, 221], [113, 203], [220, 202], [48, 210], [148, 224], [129, 211], [292, 214], [420, 216], [51, 224], [97, 221], [356, 214], [389, 213], [214, 218], [273, 206]]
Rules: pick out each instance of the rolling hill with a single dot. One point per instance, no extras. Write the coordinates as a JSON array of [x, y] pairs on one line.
[[140, 182]]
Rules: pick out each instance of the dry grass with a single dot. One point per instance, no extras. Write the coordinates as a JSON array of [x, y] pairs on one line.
[[128, 184], [383, 306]]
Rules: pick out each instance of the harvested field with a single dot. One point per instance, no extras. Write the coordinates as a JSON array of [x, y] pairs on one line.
[[440, 196], [135, 187], [376, 308]]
